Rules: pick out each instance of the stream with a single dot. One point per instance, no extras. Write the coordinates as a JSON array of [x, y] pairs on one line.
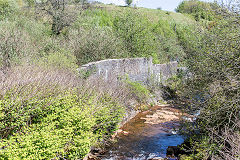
[[147, 135]]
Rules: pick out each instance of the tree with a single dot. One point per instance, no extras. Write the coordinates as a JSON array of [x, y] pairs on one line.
[[56, 10], [129, 2], [198, 9]]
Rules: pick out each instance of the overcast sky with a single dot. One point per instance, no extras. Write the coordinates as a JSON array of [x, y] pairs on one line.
[[168, 5]]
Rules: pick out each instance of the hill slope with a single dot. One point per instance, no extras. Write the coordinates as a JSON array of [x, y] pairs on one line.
[[91, 34]]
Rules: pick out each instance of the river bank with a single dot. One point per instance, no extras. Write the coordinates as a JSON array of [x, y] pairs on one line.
[[146, 136]]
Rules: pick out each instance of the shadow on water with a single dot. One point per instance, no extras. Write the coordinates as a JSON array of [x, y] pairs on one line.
[[140, 140]]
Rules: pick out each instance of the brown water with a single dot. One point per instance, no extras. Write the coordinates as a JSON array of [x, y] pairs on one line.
[[146, 136]]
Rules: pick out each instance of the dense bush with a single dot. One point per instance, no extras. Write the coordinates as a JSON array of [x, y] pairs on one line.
[[198, 9], [136, 34], [95, 44], [139, 92], [52, 117], [61, 59], [214, 65], [132, 34], [14, 43], [60, 127], [7, 7]]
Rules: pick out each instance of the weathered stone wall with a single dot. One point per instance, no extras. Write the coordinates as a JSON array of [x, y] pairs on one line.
[[138, 69], [161, 72]]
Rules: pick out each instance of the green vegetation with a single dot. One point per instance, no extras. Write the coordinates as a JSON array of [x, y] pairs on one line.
[[129, 2], [198, 9], [52, 117], [48, 112], [92, 34], [64, 125], [213, 60], [7, 8], [140, 92]]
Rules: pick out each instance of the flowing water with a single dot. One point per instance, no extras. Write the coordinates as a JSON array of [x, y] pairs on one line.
[[146, 136]]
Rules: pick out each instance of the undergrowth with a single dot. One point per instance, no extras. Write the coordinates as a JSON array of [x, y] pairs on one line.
[[53, 118]]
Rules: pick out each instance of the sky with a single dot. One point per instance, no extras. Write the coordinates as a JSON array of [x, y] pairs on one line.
[[168, 5]]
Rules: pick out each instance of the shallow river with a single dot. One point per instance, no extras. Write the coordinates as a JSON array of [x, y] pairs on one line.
[[146, 136]]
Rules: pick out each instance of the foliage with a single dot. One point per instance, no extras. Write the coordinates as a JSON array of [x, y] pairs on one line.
[[136, 34], [47, 112], [201, 149], [198, 9], [56, 9], [215, 68], [140, 92], [128, 2], [63, 60], [176, 81], [14, 43], [132, 36], [7, 8], [66, 130], [45, 121], [95, 44], [190, 39], [125, 35]]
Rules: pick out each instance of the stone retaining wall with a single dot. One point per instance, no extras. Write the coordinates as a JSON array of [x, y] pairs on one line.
[[137, 69]]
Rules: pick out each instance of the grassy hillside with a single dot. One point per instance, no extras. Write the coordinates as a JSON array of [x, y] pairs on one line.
[[95, 33]]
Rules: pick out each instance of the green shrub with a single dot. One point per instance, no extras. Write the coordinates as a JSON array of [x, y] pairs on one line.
[[214, 64], [139, 92], [169, 49], [138, 35], [7, 8], [189, 38], [65, 129], [95, 44], [201, 149], [60, 60], [101, 17], [163, 28], [46, 118], [14, 43], [92, 18], [198, 9], [135, 31]]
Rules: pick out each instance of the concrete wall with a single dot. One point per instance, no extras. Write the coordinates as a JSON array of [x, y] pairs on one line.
[[138, 69], [162, 72]]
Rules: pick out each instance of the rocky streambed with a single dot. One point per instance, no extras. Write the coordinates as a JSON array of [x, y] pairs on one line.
[[147, 136]]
